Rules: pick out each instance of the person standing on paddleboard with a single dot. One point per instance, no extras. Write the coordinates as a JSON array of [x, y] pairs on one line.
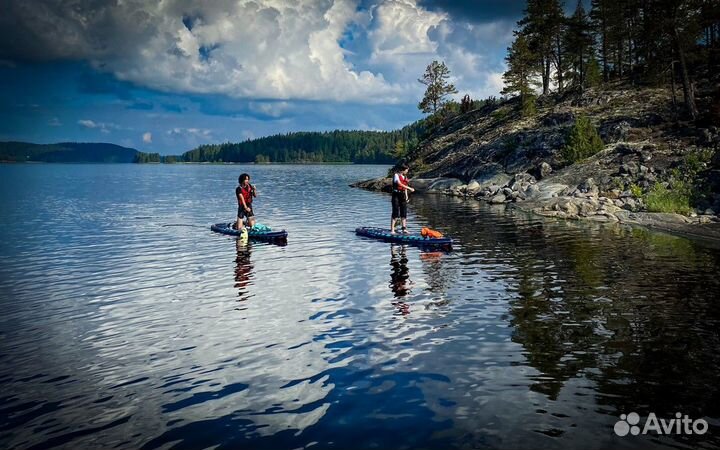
[[245, 193], [400, 190]]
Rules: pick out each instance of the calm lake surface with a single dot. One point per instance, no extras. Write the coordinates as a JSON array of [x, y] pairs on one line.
[[127, 324]]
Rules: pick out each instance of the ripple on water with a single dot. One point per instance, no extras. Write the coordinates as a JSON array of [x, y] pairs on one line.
[[131, 325]]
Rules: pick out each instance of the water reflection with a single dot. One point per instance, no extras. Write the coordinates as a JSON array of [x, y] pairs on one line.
[[243, 268], [400, 283], [532, 333], [616, 314]]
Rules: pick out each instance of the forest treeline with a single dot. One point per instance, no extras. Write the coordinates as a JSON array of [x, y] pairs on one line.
[[655, 42], [362, 147]]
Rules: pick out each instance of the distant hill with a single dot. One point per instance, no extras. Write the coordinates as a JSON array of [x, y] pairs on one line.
[[367, 147], [66, 152]]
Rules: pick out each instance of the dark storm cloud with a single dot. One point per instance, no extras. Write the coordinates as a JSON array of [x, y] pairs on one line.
[[48, 30], [478, 10], [240, 69]]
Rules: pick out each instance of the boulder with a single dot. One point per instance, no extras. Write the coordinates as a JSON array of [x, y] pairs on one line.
[[377, 184], [544, 170], [631, 168], [630, 204], [422, 184], [492, 189], [547, 190], [443, 184], [499, 198], [500, 179], [568, 206], [531, 191], [473, 187]]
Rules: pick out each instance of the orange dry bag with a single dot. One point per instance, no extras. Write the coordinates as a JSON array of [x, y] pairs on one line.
[[429, 233]]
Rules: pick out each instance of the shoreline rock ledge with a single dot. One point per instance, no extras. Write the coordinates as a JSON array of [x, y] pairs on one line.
[[551, 198]]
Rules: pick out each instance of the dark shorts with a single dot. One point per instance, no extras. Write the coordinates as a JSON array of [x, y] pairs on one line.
[[244, 214], [399, 205]]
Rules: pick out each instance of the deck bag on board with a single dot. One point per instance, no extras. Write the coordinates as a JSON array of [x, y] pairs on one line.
[[260, 228], [430, 233]]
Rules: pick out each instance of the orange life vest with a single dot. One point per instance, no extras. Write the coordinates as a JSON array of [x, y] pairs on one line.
[[429, 233]]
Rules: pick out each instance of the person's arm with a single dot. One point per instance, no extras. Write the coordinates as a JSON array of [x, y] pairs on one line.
[[254, 191]]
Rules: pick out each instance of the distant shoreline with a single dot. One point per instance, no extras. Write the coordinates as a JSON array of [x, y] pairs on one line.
[[203, 163]]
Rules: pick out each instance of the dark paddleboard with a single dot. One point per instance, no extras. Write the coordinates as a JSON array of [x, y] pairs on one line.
[[383, 234], [226, 228]]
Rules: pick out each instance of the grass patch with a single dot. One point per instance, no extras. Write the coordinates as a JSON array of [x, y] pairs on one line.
[[675, 199]]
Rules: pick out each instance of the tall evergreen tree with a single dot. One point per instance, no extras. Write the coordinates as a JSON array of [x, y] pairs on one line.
[[542, 26], [578, 42], [438, 87], [521, 63], [600, 14]]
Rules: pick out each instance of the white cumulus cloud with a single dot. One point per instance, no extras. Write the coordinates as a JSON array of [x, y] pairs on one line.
[[254, 49], [104, 127], [147, 137]]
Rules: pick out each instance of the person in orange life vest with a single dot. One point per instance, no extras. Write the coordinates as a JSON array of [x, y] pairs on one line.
[[245, 193], [400, 189]]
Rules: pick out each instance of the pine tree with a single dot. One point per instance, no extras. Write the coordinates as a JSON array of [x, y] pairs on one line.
[[599, 14], [682, 21], [542, 25], [578, 45], [582, 142], [436, 79], [593, 75], [521, 68]]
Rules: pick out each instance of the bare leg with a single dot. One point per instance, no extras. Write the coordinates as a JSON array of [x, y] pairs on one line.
[[238, 223], [251, 221], [392, 225], [404, 224]]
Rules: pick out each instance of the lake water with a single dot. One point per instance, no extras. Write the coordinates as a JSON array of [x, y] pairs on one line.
[[127, 324]]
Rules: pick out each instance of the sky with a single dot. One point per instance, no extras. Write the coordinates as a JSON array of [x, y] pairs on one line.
[[167, 76]]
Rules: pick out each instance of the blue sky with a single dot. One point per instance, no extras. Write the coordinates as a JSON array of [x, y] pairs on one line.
[[168, 76]]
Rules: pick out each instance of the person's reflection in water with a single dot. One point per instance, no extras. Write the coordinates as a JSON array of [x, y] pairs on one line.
[[399, 278], [243, 269], [437, 278]]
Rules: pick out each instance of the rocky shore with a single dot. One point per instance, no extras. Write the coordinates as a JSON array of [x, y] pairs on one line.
[[557, 200], [497, 156]]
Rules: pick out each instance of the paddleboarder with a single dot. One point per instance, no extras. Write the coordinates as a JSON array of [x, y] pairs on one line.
[[245, 192], [400, 189]]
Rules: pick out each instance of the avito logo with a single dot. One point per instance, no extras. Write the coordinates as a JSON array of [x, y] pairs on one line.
[[681, 424]]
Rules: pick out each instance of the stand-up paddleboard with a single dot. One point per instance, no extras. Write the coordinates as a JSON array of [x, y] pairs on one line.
[[384, 234], [267, 235]]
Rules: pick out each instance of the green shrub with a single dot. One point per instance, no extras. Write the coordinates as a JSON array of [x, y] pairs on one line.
[[529, 108], [636, 190], [582, 142], [676, 199], [500, 113], [696, 161]]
